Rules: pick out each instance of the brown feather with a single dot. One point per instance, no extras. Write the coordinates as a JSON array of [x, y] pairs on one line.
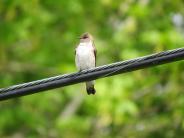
[[95, 51]]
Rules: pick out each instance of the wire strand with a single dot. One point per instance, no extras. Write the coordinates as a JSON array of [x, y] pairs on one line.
[[92, 74]]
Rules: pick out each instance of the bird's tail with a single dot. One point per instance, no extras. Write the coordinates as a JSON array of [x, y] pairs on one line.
[[90, 87]]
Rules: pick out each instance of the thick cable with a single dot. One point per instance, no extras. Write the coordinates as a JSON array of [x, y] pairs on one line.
[[92, 74]]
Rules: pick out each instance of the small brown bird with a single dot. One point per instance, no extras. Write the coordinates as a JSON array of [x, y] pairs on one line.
[[85, 58]]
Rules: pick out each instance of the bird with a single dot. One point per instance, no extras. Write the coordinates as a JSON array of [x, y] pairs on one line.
[[85, 57]]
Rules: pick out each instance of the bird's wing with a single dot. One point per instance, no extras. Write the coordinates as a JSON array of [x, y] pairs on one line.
[[75, 50], [95, 52]]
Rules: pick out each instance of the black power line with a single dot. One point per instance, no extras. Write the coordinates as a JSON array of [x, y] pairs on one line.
[[92, 74]]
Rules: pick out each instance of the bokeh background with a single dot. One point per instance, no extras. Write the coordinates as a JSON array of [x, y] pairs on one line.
[[38, 39]]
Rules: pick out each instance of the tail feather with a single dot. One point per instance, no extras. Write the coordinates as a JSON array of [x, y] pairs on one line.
[[90, 87]]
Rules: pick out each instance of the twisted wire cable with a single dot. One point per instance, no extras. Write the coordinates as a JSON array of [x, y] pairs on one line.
[[92, 74]]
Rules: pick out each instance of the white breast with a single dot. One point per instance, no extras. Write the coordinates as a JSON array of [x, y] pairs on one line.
[[85, 58]]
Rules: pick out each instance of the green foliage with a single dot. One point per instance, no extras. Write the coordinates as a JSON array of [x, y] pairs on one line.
[[37, 40]]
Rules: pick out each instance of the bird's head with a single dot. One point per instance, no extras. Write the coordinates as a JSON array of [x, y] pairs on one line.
[[86, 37]]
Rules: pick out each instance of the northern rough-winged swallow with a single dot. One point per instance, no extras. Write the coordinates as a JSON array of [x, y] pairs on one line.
[[85, 58]]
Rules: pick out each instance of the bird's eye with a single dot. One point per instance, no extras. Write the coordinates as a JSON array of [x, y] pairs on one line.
[[85, 37]]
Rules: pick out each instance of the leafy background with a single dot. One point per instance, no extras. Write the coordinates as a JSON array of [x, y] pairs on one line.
[[37, 40]]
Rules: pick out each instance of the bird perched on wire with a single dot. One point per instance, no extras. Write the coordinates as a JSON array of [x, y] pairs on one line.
[[85, 58]]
